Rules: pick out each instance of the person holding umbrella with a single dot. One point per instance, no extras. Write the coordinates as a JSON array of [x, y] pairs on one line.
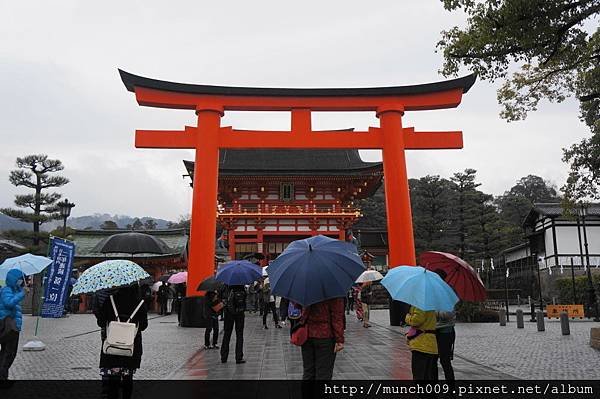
[[331, 266], [212, 307], [11, 318], [366, 292], [115, 285], [467, 285], [236, 274], [426, 292], [118, 371]]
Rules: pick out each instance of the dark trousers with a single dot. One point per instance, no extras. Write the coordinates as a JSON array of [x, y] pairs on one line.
[[163, 307], [445, 342], [270, 307], [424, 366], [232, 320], [8, 352], [113, 383], [213, 325], [318, 359]]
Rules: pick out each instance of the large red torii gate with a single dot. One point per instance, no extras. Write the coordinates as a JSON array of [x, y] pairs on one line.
[[211, 102]]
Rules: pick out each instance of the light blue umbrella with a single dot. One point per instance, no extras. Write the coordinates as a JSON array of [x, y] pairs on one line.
[[420, 287], [108, 274], [29, 264], [315, 269]]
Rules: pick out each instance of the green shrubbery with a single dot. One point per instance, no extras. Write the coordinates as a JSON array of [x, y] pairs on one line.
[[564, 287], [472, 312]]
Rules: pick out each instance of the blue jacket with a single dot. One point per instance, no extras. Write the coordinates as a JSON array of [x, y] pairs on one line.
[[11, 297]]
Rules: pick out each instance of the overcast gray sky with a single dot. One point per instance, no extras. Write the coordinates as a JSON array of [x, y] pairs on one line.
[[62, 96]]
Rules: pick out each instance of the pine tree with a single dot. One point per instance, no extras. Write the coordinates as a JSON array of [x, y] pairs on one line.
[[465, 194], [34, 172]]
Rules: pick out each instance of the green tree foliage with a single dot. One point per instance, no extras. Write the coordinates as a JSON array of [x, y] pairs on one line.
[[465, 192], [516, 203], [183, 223], [109, 225], [137, 224], [487, 234], [373, 211], [565, 288], [34, 173], [555, 56], [432, 198], [150, 224]]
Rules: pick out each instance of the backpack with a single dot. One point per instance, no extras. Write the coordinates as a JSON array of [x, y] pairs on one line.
[[236, 301], [120, 336], [294, 311]]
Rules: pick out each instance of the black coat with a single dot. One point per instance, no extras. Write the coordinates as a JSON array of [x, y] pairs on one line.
[[126, 300]]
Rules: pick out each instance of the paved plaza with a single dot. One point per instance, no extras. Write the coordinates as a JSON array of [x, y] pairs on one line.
[[483, 351]]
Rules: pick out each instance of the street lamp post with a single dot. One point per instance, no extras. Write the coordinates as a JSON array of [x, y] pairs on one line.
[[593, 301], [64, 208]]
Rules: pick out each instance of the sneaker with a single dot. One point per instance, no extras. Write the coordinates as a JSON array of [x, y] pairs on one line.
[[215, 347], [277, 326], [223, 360], [240, 361], [206, 347], [265, 326]]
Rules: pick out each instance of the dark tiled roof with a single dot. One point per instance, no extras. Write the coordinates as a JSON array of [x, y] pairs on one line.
[[555, 209], [291, 162], [132, 81]]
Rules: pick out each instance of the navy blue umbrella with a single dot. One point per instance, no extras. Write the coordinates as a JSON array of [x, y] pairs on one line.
[[238, 272], [315, 269]]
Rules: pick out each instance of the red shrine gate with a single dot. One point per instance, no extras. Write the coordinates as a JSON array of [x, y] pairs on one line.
[[211, 102]]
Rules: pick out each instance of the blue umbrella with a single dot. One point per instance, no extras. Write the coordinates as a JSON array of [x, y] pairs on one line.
[[29, 264], [315, 269], [238, 272], [420, 287]]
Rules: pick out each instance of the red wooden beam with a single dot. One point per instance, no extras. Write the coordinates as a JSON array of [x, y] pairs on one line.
[[431, 140], [166, 138]]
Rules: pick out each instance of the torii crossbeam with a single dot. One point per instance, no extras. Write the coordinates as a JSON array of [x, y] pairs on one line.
[[208, 137]]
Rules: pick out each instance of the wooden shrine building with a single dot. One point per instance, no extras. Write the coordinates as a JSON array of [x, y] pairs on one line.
[[268, 198]]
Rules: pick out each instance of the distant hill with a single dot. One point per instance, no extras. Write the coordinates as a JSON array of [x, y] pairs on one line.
[[8, 223], [80, 222]]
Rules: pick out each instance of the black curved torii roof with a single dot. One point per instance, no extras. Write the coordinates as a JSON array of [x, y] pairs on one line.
[[132, 81]]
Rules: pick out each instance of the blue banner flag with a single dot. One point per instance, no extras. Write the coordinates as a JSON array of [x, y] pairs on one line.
[[58, 277]]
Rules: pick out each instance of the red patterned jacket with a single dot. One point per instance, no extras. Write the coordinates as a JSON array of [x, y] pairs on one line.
[[326, 320]]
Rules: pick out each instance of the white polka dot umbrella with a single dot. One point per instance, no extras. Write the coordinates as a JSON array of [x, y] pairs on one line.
[[109, 274]]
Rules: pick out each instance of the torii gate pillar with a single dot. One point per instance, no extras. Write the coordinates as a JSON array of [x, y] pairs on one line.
[[210, 103]]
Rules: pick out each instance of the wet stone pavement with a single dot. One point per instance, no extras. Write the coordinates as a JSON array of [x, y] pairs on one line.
[[483, 351]]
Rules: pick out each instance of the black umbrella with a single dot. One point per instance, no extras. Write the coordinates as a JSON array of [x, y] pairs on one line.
[[209, 284], [165, 277], [132, 243]]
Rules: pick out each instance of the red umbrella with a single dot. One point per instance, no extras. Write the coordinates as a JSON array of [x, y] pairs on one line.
[[459, 274]]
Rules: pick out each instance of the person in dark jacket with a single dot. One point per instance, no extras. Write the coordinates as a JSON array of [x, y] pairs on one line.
[[117, 371], [10, 306], [162, 299], [325, 322], [234, 316], [212, 299]]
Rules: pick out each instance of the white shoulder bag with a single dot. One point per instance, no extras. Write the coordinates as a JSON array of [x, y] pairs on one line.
[[120, 336]]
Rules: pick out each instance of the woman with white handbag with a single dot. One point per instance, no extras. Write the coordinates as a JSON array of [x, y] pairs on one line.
[[122, 316]]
